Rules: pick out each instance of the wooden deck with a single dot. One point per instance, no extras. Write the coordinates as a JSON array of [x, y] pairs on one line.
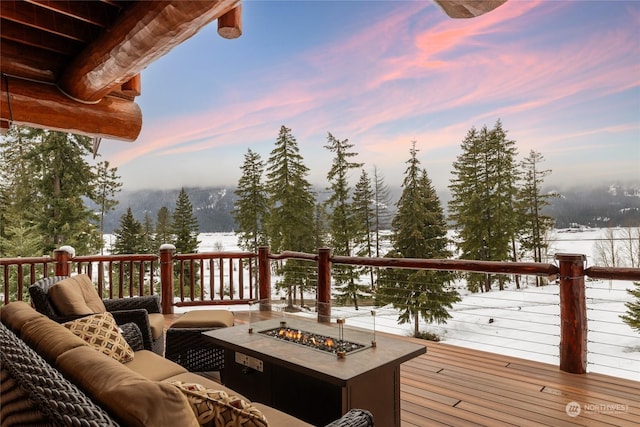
[[455, 386]]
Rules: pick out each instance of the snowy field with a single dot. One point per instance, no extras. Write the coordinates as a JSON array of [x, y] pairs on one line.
[[522, 323]]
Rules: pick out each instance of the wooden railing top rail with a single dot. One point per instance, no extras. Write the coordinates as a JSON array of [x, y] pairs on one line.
[[114, 258], [26, 260], [527, 268], [614, 273], [215, 255]]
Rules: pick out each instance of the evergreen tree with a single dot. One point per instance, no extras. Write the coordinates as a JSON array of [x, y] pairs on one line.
[[419, 231], [128, 238], [291, 211], [534, 224], [632, 317], [148, 245], [19, 235], [184, 229], [251, 207], [184, 225], [343, 229], [364, 219], [382, 206], [107, 186], [163, 227], [63, 178], [482, 206]]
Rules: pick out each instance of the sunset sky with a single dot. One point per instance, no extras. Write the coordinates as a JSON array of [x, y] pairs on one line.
[[562, 76]]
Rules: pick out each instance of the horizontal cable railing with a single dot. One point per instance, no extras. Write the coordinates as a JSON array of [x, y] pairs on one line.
[[613, 346]]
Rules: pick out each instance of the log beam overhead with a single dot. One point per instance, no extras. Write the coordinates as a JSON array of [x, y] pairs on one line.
[[29, 103], [144, 33]]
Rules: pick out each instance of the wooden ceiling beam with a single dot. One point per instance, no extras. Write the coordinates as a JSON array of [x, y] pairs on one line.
[[98, 13], [32, 63], [38, 38], [33, 16], [144, 33], [41, 105]]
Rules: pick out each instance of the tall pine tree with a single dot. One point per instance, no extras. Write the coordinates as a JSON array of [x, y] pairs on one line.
[[419, 231], [184, 225], [482, 206], [107, 186], [364, 220], [534, 224], [343, 229], [251, 207], [291, 211]]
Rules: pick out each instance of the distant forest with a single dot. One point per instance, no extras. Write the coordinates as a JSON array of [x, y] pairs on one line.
[[602, 206]]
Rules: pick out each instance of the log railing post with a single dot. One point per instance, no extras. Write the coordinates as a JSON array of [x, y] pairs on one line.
[[264, 278], [166, 277], [324, 285], [573, 314], [62, 257]]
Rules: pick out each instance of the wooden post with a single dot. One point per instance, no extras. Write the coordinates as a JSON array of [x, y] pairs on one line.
[[264, 278], [573, 314], [166, 277], [63, 257], [324, 285]]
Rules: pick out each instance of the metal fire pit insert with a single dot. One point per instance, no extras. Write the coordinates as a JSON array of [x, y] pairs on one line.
[[314, 341]]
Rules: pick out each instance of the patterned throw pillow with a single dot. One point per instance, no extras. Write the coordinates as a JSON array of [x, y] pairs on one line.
[[215, 408], [101, 331]]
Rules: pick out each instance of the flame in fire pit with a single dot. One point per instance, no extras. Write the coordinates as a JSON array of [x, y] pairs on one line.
[[313, 340]]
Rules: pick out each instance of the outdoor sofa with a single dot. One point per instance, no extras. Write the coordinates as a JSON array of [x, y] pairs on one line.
[[51, 375]]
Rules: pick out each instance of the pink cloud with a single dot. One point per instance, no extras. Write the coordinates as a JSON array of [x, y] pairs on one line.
[[413, 63]]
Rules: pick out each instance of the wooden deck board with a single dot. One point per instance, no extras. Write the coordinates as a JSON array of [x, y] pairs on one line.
[[456, 386]]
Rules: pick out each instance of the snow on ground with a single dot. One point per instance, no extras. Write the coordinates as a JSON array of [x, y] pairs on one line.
[[522, 323]]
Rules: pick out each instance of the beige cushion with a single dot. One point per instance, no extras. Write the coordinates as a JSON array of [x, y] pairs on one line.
[[204, 319], [76, 296], [15, 314], [153, 366], [156, 321], [102, 333], [132, 399], [215, 408], [48, 338], [190, 377]]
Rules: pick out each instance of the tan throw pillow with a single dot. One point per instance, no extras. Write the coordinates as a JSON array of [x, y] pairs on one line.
[[75, 296], [101, 332], [215, 408]]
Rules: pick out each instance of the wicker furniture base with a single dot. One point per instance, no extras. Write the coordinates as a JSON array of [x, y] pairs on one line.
[[186, 346]]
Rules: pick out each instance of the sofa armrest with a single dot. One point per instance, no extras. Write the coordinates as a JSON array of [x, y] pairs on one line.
[[55, 400], [354, 418], [151, 303], [141, 318]]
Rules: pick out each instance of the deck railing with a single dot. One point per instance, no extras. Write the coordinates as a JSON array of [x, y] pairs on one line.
[[216, 278]]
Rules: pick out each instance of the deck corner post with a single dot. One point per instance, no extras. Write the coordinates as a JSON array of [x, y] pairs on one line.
[[573, 314], [324, 285], [166, 277], [62, 257], [264, 279]]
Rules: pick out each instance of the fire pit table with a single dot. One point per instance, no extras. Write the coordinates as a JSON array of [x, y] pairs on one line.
[[315, 383]]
